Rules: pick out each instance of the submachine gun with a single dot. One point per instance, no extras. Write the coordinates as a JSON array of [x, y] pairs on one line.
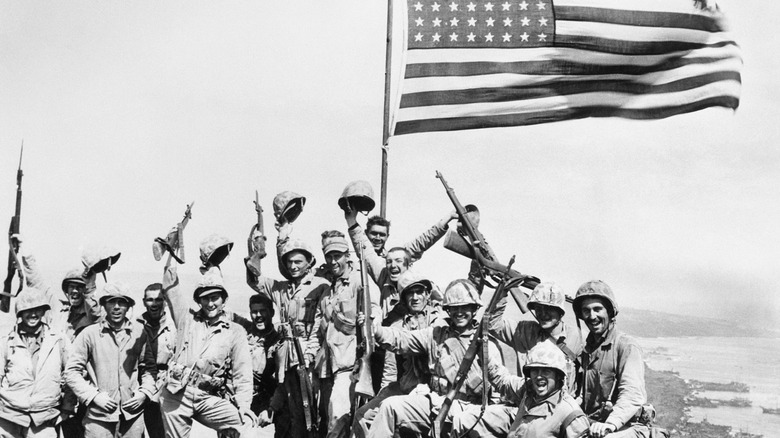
[[13, 257], [473, 245]]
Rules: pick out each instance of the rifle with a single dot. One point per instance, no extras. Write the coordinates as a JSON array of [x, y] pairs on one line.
[[256, 248], [174, 241], [13, 247], [310, 410], [364, 387]]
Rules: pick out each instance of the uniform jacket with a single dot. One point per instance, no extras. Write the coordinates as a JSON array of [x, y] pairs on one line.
[[262, 347], [220, 350], [409, 371], [113, 366], [522, 335], [444, 348], [63, 317], [377, 265], [613, 370], [31, 393], [338, 310], [545, 418], [160, 337]]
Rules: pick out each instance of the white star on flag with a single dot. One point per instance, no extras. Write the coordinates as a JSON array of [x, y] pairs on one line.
[[524, 37], [472, 21], [419, 21], [472, 7], [488, 6], [507, 22], [436, 22], [490, 21], [435, 7], [454, 37], [453, 7], [505, 6], [542, 37], [454, 22], [489, 37], [525, 21], [418, 37], [540, 5], [436, 37], [507, 37], [418, 6], [542, 21], [471, 37], [523, 6]]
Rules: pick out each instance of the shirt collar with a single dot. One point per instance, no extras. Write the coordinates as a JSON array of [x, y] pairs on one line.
[[222, 321], [105, 327], [544, 407], [605, 341]]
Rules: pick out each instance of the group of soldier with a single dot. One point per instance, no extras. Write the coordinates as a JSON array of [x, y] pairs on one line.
[[81, 367]]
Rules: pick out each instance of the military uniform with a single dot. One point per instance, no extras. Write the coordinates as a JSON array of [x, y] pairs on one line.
[[207, 359], [158, 350]]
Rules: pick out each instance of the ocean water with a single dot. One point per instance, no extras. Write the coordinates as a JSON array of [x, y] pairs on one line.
[[753, 361]]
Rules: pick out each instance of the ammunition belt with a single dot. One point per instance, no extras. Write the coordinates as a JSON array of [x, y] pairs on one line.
[[201, 381]]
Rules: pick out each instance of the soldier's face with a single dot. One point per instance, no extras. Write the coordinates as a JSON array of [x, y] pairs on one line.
[[397, 264], [297, 263], [212, 304], [595, 315], [416, 298], [337, 262], [549, 317], [461, 316], [377, 234], [75, 293], [154, 303], [261, 316], [543, 381], [116, 309], [32, 318]]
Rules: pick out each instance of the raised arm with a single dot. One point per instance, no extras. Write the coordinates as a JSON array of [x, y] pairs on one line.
[[428, 238], [404, 341]]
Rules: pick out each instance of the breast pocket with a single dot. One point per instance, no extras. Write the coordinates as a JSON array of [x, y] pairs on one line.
[[606, 383]]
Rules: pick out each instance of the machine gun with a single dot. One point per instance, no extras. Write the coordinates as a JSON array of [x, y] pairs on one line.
[[13, 257], [256, 247], [364, 387]]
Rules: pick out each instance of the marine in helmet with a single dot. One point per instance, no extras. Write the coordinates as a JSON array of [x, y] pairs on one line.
[[33, 357], [546, 304], [384, 265], [444, 348], [402, 374], [546, 409], [210, 358], [613, 389], [113, 396]]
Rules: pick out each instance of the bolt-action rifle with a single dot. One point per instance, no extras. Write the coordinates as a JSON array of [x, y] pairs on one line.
[[256, 246], [173, 243], [14, 263], [364, 387]]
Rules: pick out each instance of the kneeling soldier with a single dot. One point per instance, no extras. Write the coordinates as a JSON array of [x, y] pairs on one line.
[[109, 352], [210, 373]]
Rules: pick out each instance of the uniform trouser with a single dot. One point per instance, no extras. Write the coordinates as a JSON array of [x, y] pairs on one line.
[[336, 394], [413, 413], [132, 428], [153, 420], [73, 427], [295, 427], [180, 409], [495, 423], [364, 416], [9, 429]]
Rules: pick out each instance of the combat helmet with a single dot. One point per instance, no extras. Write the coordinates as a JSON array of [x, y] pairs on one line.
[[547, 294], [411, 278], [75, 276], [595, 289], [214, 249], [359, 194], [210, 282], [461, 293], [298, 245], [30, 298], [116, 290], [97, 260], [546, 355], [288, 206]]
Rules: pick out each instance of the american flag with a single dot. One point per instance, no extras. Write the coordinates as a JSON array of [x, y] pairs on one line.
[[487, 63]]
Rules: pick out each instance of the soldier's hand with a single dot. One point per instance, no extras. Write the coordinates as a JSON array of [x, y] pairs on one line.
[[104, 402], [599, 430], [350, 214], [265, 418], [135, 403], [247, 416], [361, 318], [17, 239]]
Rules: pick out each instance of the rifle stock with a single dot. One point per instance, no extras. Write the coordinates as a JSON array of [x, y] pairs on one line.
[[13, 258], [365, 335]]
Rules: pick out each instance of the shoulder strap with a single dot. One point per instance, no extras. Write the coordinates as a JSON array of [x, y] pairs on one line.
[[573, 415]]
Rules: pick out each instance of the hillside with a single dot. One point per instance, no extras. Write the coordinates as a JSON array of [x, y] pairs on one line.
[[652, 324]]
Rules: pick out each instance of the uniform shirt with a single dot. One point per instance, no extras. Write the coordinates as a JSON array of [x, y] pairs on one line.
[[444, 348], [31, 391], [545, 418], [409, 371], [614, 370], [262, 347], [217, 350], [111, 358], [160, 336], [338, 310]]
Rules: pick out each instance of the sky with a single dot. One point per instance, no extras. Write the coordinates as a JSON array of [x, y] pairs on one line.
[[131, 110]]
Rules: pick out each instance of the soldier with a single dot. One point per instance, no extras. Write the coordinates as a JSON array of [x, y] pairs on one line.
[[546, 407], [547, 306], [402, 374], [32, 400], [263, 342], [613, 386], [297, 300], [109, 352], [444, 347], [160, 333], [209, 377]]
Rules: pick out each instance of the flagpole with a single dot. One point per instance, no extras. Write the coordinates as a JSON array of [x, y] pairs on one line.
[[386, 121]]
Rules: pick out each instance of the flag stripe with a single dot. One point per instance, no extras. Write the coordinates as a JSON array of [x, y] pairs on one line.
[[660, 6], [636, 33], [546, 116], [635, 48], [637, 18], [504, 94]]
